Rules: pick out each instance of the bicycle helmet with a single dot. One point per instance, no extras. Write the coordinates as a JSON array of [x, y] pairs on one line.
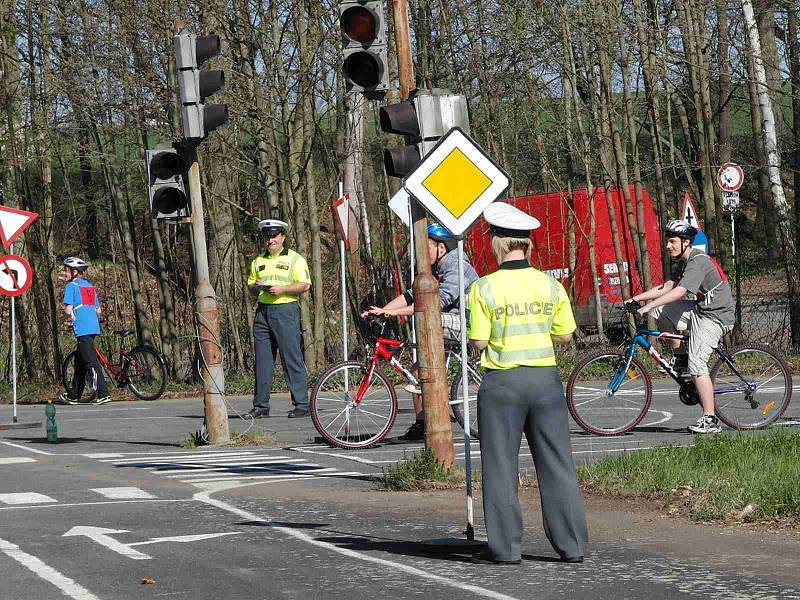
[[439, 233], [681, 229], [73, 262]]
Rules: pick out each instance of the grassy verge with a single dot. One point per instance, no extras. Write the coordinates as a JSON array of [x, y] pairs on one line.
[[737, 477], [421, 472]]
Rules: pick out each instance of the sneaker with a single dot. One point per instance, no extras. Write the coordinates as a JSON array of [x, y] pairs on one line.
[[298, 413], [103, 400], [706, 424], [67, 399], [415, 433], [258, 413], [413, 389]]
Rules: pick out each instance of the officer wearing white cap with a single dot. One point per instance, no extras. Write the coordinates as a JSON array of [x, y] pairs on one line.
[[516, 315], [278, 276]]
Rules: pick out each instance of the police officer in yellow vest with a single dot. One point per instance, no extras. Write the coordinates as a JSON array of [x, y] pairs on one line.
[[278, 276], [515, 316]]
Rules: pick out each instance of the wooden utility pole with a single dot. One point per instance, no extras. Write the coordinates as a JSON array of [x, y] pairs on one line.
[[207, 314], [427, 305]]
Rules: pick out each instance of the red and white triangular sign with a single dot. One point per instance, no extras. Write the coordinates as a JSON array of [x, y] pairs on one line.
[[341, 213], [13, 222], [690, 213]]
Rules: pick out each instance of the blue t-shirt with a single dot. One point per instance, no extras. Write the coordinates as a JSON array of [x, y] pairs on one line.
[[83, 298]]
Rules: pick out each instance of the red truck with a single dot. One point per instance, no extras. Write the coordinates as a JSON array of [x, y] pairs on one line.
[[551, 247]]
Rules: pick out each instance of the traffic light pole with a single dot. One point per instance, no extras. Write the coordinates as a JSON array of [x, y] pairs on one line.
[[216, 415], [427, 306]]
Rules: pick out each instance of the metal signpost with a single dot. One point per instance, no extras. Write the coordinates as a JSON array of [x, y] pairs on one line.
[[341, 213], [730, 178], [454, 183], [16, 277]]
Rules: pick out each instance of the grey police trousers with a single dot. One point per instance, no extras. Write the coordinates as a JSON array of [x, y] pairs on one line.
[[529, 400], [277, 329]]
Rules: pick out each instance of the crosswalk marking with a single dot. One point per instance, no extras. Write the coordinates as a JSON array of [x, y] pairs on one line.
[[122, 493], [220, 466], [25, 498], [13, 460]]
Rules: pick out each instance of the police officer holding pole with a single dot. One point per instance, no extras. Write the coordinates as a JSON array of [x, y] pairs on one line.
[[278, 276], [516, 314]]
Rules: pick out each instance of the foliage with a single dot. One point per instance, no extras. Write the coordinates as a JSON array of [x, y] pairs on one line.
[[422, 471], [715, 479]]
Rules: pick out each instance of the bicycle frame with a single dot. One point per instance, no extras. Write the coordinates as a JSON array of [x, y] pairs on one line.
[[640, 339], [116, 371]]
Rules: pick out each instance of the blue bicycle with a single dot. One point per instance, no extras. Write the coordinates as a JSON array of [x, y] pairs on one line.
[[610, 391]]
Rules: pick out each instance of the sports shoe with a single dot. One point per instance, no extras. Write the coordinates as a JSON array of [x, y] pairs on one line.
[[706, 424], [413, 389], [103, 400], [415, 433], [298, 413], [67, 399]]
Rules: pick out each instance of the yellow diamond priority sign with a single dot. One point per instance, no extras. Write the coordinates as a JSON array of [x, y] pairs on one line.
[[456, 181]]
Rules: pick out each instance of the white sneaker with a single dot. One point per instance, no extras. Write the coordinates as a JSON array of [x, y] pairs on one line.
[[413, 389], [103, 400], [67, 399], [706, 424]]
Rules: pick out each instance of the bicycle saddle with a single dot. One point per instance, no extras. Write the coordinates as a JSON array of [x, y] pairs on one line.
[[123, 333]]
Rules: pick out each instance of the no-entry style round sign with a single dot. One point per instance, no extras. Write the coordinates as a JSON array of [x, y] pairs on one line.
[[16, 275], [730, 177]]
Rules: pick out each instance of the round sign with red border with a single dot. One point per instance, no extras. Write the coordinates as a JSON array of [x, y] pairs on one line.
[[730, 177], [16, 275]]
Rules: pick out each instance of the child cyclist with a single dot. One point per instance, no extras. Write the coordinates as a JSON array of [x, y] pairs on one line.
[[82, 305]]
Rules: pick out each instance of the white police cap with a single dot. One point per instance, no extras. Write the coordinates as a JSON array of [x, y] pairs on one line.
[[509, 221], [272, 224]]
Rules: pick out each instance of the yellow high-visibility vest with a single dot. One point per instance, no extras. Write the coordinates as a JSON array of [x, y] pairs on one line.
[[517, 310], [282, 269]]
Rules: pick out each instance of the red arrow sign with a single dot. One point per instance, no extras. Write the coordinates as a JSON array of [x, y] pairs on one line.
[[16, 275], [13, 222]]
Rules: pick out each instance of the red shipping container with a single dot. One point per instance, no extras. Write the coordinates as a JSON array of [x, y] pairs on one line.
[[551, 246]]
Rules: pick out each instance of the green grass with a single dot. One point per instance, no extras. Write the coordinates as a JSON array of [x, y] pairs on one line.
[[422, 471], [722, 478]]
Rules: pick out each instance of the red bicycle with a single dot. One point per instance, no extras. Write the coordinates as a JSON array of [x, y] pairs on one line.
[[354, 404], [141, 369]]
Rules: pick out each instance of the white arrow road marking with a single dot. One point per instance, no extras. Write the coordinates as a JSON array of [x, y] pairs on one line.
[[102, 537], [46, 572], [186, 538]]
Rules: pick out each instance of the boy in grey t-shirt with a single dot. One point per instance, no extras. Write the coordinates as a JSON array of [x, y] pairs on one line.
[[706, 319]]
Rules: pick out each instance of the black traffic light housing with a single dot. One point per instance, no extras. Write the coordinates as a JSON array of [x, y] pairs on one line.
[[364, 50], [166, 173]]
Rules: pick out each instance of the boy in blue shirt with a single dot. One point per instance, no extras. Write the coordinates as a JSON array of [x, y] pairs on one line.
[[82, 305]]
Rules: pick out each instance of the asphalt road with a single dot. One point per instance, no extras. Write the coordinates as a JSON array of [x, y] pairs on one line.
[[117, 503]]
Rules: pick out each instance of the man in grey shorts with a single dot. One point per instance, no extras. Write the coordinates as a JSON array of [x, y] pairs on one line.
[[706, 319]]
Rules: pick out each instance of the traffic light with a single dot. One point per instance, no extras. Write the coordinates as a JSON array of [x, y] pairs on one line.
[[198, 119], [365, 64], [165, 171], [423, 119]]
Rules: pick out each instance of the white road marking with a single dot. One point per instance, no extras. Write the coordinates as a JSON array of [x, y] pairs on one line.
[[25, 498], [122, 493], [21, 447], [71, 504], [194, 456], [102, 536], [259, 465], [273, 474], [183, 539], [67, 586], [102, 455], [13, 460], [300, 535], [365, 461]]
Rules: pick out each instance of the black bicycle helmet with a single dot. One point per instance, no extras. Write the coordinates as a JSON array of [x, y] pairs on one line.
[[681, 229]]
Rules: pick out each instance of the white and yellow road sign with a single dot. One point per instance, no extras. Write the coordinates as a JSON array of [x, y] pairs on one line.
[[456, 181]]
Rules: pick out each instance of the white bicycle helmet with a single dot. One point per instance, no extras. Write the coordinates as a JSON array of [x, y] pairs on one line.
[[681, 229], [73, 262]]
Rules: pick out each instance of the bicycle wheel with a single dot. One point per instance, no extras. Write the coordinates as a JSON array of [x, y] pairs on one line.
[[755, 391], [474, 378], [68, 379], [146, 372], [343, 422], [604, 397]]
